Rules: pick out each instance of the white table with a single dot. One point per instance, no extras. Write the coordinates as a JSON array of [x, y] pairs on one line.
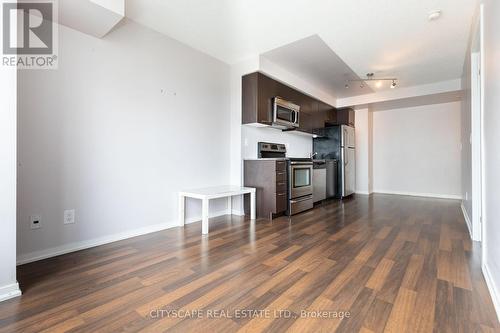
[[205, 194]]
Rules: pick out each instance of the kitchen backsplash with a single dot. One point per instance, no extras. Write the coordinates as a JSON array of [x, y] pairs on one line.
[[297, 145]]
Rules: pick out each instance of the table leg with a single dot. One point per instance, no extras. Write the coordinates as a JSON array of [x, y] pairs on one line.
[[252, 205], [230, 205], [204, 221], [182, 205]]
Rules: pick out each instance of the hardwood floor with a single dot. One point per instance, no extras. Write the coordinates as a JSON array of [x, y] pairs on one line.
[[378, 264]]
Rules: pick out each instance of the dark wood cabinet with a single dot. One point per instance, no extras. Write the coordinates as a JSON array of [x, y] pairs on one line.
[[345, 117], [320, 113], [306, 122], [257, 93], [287, 93], [308, 108], [257, 98], [326, 116], [329, 114], [269, 177]]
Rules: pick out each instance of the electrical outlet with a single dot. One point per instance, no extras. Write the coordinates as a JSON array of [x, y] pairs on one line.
[[69, 216], [35, 221]]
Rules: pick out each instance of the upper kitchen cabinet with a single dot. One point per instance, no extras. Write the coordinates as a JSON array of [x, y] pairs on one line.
[[328, 112], [288, 93], [345, 117], [258, 92], [306, 122], [309, 117], [325, 116], [257, 98]]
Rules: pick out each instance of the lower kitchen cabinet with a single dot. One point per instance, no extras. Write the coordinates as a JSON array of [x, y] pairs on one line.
[[269, 177]]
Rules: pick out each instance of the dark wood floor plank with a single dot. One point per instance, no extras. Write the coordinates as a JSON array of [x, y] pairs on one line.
[[393, 263]]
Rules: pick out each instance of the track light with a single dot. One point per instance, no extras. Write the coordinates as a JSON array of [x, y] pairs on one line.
[[370, 77]]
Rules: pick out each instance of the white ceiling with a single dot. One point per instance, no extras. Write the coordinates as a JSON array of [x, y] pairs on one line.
[[95, 17], [315, 62], [387, 37]]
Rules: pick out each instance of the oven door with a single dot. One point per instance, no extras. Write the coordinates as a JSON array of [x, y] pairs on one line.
[[300, 179]]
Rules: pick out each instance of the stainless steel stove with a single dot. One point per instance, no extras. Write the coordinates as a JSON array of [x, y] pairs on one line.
[[299, 176]]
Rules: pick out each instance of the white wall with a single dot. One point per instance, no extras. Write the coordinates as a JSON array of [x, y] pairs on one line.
[[491, 218], [417, 150], [364, 151], [8, 283], [123, 124]]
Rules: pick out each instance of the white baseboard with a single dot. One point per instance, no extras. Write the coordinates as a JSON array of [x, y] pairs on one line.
[[493, 289], [363, 192], [9, 291], [418, 194], [237, 212], [467, 220], [77, 246]]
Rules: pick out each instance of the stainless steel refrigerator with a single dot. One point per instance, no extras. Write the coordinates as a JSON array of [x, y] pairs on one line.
[[347, 160], [338, 143]]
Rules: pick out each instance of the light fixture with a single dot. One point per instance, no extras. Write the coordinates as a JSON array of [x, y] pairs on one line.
[[370, 77], [434, 15]]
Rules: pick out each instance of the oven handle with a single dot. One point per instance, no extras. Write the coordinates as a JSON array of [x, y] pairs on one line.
[[301, 199], [301, 163]]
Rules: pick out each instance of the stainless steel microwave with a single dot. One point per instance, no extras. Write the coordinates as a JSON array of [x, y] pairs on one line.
[[285, 114]]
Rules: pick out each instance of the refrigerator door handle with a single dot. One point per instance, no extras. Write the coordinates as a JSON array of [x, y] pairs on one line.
[[342, 172]]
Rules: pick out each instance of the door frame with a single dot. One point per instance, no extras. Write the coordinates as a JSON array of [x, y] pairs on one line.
[[477, 146]]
